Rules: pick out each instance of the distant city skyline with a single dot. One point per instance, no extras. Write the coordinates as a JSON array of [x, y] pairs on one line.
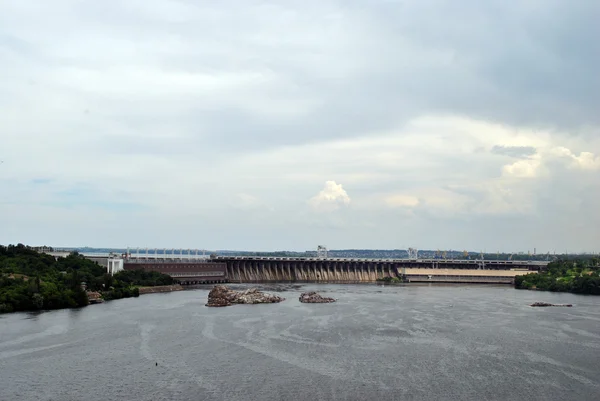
[[246, 125]]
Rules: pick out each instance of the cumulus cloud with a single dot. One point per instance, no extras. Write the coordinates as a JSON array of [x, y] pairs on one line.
[[332, 197], [585, 160], [588, 161], [522, 168], [531, 167]]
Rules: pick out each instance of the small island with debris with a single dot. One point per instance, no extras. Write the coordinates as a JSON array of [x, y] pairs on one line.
[[544, 304], [314, 298], [221, 295]]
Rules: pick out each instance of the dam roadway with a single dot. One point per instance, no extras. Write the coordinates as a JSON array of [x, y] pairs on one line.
[[248, 269]]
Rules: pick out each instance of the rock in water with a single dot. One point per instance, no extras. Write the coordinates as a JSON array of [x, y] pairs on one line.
[[94, 297], [314, 298], [540, 304], [220, 295]]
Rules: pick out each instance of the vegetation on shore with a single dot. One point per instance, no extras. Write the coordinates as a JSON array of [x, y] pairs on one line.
[[144, 278], [581, 276], [33, 281]]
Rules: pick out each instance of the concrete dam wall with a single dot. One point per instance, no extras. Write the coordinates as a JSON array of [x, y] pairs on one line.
[[307, 272], [249, 270]]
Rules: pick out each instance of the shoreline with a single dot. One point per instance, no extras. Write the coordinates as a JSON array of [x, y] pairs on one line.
[[406, 283], [160, 289]]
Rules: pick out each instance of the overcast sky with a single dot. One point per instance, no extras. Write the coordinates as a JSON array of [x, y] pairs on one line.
[[245, 124]]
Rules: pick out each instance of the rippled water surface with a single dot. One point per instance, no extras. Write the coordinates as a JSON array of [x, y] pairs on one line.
[[375, 343]]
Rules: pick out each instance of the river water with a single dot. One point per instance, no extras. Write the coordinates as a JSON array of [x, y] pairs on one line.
[[376, 343]]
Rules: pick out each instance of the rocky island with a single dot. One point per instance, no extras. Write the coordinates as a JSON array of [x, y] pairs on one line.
[[314, 298], [220, 295], [543, 304]]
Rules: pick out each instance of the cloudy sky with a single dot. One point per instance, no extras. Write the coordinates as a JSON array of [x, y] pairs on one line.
[[246, 124]]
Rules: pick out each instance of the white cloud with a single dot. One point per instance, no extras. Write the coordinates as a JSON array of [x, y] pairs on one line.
[[330, 198], [588, 161], [585, 160], [532, 166], [526, 168]]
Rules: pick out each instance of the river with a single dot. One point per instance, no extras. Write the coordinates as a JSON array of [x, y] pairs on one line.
[[414, 342]]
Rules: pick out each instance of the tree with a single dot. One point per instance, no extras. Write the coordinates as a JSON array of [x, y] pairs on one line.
[[38, 301]]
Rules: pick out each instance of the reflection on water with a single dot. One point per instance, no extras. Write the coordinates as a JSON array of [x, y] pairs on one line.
[[32, 315], [377, 342]]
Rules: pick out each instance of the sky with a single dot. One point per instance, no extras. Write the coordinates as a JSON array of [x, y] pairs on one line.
[[255, 125]]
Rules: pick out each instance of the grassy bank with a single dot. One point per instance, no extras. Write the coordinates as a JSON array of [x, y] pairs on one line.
[[580, 276]]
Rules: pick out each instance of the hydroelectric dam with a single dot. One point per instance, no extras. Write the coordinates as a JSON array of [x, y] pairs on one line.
[[249, 269], [199, 269]]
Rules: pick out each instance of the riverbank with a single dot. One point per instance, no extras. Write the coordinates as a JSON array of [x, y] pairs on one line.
[[32, 281], [160, 288], [575, 276]]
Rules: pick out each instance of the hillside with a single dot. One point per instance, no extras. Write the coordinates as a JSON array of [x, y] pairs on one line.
[[32, 281]]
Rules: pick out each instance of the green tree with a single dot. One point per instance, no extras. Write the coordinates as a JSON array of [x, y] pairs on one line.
[[38, 301], [30, 280]]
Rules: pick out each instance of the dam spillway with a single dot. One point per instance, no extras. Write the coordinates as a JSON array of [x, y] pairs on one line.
[[248, 269], [195, 269], [307, 271]]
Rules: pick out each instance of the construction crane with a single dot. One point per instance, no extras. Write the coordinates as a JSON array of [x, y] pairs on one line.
[[413, 253], [481, 262], [321, 252]]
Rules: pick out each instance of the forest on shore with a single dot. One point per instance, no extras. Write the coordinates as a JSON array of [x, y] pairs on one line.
[[34, 281], [579, 276]]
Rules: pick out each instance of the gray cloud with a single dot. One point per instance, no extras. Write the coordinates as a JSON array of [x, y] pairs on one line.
[[362, 67], [235, 113], [514, 151]]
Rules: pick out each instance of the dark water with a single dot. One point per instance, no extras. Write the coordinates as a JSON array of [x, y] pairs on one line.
[[375, 343]]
